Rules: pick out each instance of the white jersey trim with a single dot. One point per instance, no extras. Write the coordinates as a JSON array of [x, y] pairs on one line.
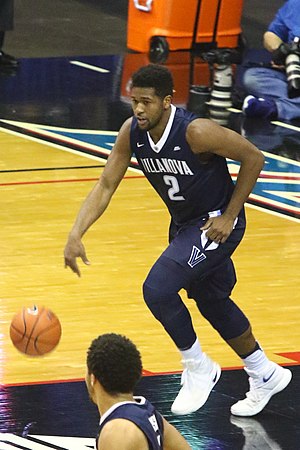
[[138, 400], [159, 145]]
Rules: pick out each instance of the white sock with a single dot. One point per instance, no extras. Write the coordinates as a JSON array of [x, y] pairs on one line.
[[258, 362], [194, 352]]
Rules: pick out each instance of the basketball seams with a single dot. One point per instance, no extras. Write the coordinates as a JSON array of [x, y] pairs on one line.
[[52, 325], [24, 322], [35, 331], [17, 330], [33, 327], [38, 338]]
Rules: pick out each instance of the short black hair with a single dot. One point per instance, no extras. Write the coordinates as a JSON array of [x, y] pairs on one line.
[[154, 76], [116, 363]]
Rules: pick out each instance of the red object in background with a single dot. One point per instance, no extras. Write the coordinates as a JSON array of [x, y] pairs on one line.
[[179, 64], [175, 21]]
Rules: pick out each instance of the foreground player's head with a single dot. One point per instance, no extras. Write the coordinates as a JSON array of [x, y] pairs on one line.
[[151, 96], [154, 76], [115, 362]]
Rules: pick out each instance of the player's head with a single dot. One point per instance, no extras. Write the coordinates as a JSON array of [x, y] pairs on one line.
[[115, 362], [151, 95], [156, 77]]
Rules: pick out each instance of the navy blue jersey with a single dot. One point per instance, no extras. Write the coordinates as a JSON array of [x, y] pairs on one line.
[[189, 187], [143, 414]]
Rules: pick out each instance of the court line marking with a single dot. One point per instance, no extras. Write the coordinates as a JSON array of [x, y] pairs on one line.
[[40, 129], [89, 66], [62, 147], [62, 180], [274, 122], [146, 373], [43, 130], [285, 125], [274, 213], [79, 153], [31, 126], [41, 169]]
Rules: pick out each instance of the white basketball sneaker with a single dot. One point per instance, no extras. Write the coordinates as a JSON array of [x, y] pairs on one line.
[[261, 391], [197, 380]]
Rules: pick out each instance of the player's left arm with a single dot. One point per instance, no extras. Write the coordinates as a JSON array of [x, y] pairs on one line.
[[204, 135]]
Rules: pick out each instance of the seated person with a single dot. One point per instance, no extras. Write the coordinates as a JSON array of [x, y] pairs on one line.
[[268, 86]]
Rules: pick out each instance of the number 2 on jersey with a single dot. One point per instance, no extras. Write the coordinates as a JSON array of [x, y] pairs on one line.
[[174, 189]]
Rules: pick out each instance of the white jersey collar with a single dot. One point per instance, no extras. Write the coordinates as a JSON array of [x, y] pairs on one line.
[[138, 400], [159, 145]]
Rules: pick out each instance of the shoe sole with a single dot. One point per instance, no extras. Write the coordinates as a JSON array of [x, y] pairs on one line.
[[191, 410], [280, 387]]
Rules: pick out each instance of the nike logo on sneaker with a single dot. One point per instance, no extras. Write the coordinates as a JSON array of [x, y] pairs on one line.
[[139, 145], [265, 379]]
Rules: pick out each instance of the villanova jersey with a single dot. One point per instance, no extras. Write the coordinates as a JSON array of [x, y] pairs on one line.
[[143, 414], [189, 187]]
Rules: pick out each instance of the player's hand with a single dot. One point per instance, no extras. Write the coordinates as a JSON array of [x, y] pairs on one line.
[[74, 249], [218, 228]]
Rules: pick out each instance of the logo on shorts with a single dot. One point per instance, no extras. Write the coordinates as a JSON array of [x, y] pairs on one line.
[[197, 256]]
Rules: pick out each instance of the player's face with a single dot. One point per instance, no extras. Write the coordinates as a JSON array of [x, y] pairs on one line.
[[147, 107]]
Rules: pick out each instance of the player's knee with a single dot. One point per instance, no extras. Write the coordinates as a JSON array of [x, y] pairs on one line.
[[225, 316], [162, 283], [151, 294]]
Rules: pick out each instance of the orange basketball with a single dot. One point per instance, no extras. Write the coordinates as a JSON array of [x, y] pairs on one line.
[[35, 330]]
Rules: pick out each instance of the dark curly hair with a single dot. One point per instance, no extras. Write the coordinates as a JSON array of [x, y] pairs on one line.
[[116, 363], [154, 76]]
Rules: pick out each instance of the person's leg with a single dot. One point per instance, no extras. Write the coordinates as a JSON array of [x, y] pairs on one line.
[[265, 82], [266, 377], [6, 24], [200, 374], [189, 256], [160, 290], [271, 84]]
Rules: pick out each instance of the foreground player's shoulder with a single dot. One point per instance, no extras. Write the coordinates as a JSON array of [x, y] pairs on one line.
[[204, 134], [122, 434]]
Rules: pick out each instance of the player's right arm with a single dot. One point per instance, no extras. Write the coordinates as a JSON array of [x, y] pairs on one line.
[[173, 440], [98, 199]]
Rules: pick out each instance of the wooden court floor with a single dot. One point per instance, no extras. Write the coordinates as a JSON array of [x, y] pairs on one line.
[[38, 208], [58, 121]]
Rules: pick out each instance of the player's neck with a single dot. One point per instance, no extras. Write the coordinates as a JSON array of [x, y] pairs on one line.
[[157, 132], [106, 401]]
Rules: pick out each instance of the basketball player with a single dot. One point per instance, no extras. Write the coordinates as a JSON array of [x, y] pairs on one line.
[[114, 367], [184, 158]]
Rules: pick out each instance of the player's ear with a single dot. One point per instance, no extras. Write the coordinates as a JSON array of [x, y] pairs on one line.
[[92, 379], [167, 101]]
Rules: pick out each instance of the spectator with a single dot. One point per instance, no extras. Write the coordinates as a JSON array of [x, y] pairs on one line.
[[6, 24], [268, 86]]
